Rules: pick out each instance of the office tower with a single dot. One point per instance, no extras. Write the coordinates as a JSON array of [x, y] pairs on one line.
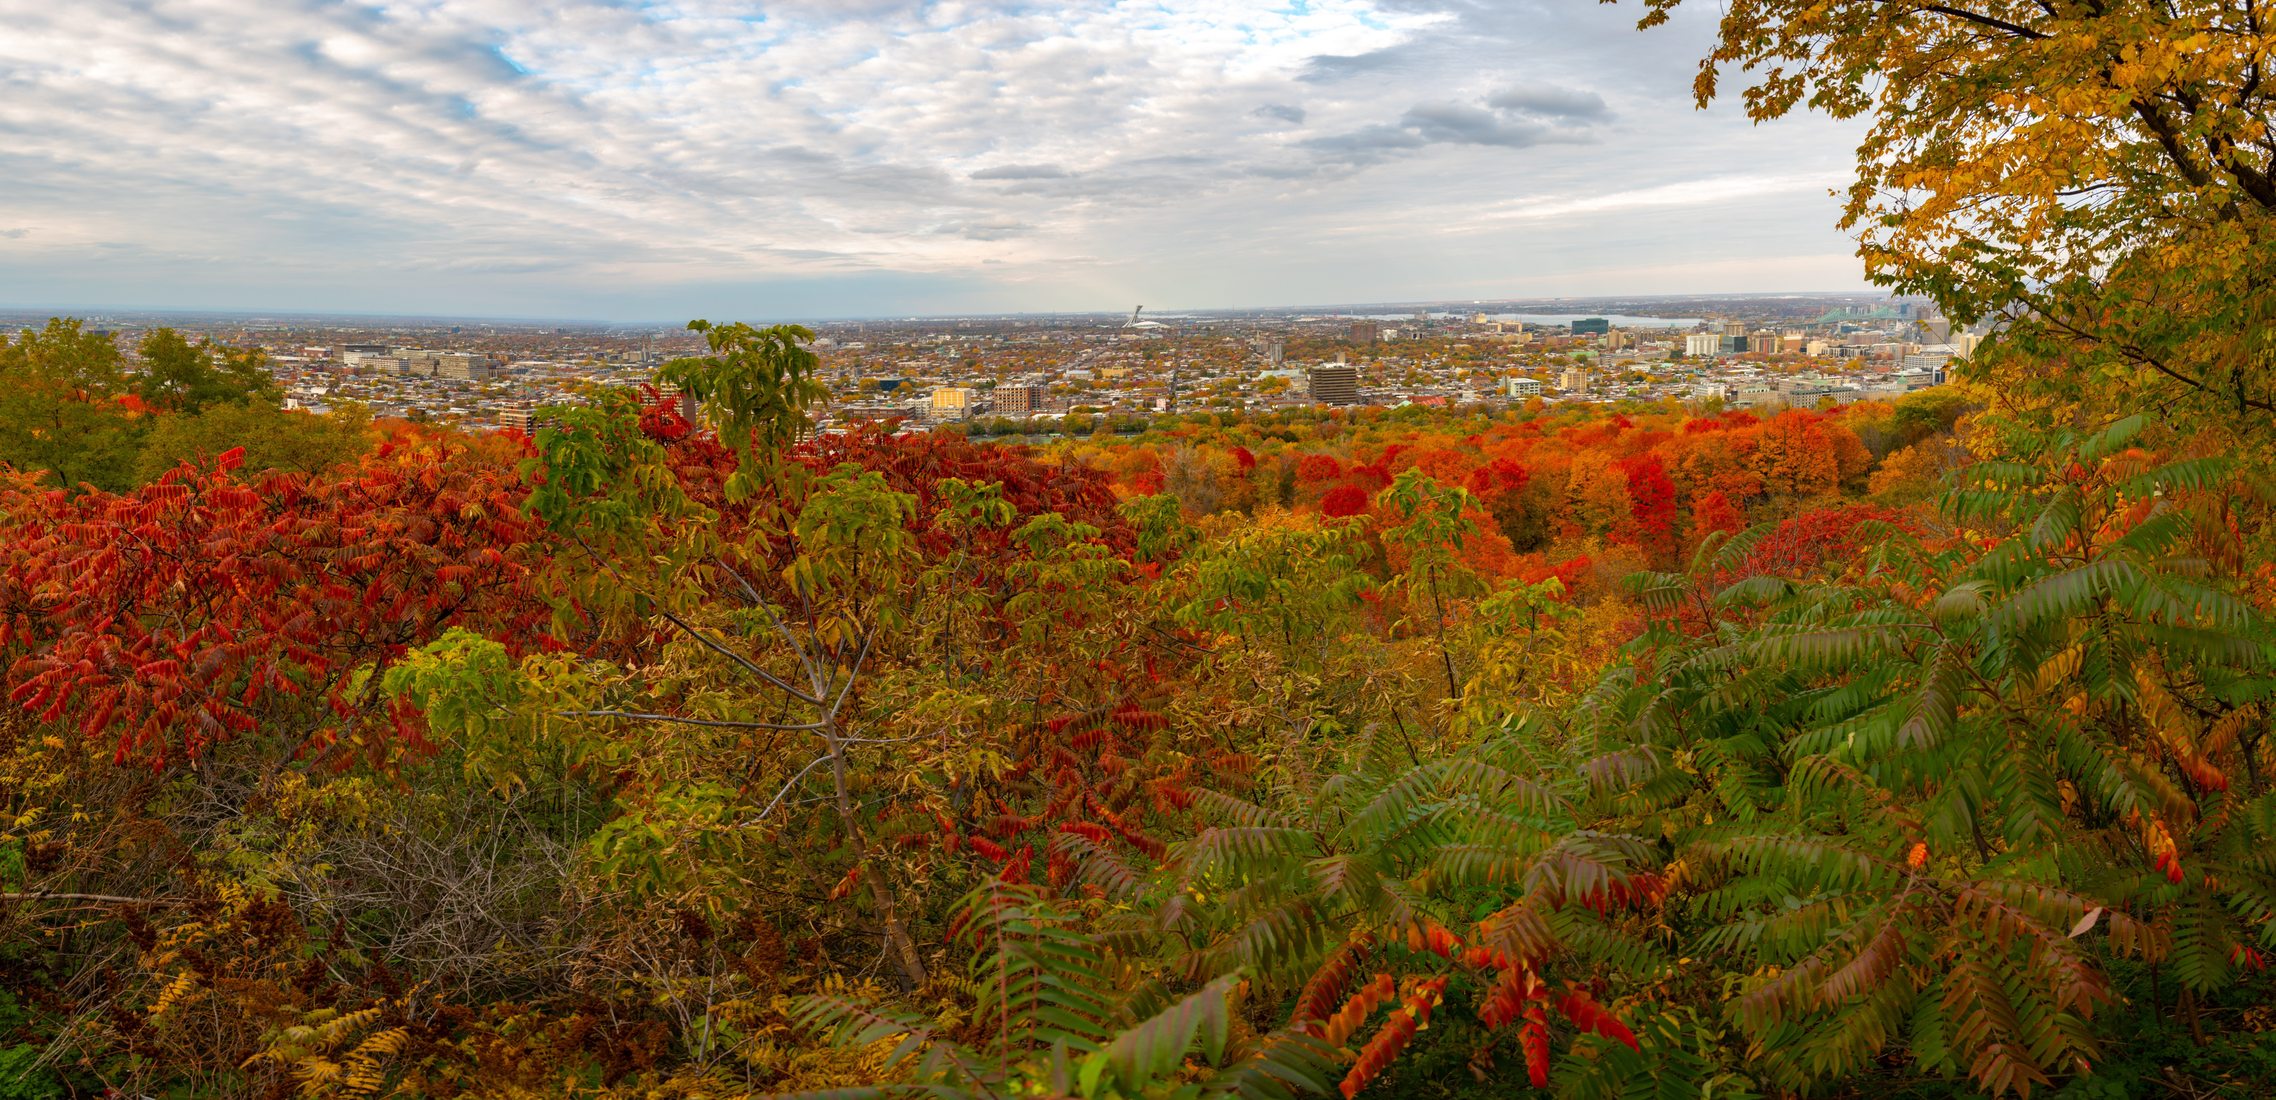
[[1335, 384], [1019, 400], [463, 365], [951, 403]]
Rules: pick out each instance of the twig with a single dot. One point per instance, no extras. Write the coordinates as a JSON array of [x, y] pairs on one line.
[[105, 899], [721, 723]]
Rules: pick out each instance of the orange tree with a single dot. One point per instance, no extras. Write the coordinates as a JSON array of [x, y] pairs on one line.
[[2097, 176]]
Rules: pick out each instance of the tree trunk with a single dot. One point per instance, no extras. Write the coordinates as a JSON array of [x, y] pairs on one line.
[[1438, 619], [898, 943]]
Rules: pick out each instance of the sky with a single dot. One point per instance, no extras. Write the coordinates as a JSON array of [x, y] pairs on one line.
[[772, 159]]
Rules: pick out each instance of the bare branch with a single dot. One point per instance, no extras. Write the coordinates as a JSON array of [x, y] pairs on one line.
[[790, 786], [749, 666], [100, 899], [852, 674], [719, 723]]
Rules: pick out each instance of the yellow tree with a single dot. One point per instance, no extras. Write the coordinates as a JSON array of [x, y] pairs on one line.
[[2097, 175], [1597, 493]]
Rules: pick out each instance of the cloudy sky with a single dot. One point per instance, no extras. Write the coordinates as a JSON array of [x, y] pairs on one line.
[[658, 159]]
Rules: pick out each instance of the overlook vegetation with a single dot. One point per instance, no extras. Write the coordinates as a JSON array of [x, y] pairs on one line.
[[1665, 754], [1905, 750]]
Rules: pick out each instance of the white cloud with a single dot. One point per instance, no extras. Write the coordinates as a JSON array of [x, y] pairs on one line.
[[1707, 191], [611, 157]]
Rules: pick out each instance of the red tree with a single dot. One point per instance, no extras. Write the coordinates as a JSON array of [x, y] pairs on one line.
[[1316, 469], [1344, 500], [201, 607], [1715, 512], [1651, 507], [1801, 544]]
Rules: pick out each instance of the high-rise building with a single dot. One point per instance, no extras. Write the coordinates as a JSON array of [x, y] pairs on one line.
[[1703, 344], [463, 365], [1763, 342], [1365, 332], [1591, 326], [1573, 380], [362, 355], [1020, 400], [1335, 384], [951, 403], [1929, 358], [1734, 328]]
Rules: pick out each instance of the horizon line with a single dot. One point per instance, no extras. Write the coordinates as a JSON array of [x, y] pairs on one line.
[[82, 311]]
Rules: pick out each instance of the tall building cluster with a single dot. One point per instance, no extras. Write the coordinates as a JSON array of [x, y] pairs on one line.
[[464, 366]]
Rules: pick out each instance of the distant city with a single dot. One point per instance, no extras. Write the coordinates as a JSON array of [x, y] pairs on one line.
[[1041, 374]]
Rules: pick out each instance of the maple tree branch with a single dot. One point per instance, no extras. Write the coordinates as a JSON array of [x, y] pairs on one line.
[[2140, 356], [805, 658], [1982, 20], [852, 674], [2169, 139], [748, 665], [751, 593], [790, 785]]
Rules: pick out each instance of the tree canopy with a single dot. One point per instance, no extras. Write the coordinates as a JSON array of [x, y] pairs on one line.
[[2099, 177]]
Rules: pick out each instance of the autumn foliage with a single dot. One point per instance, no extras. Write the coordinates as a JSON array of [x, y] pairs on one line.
[[206, 606], [1388, 754]]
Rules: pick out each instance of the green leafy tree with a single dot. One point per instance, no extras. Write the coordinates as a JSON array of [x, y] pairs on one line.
[[1937, 803], [1062, 1016], [178, 376], [58, 407], [651, 556], [272, 438], [755, 386], [1430, 520]]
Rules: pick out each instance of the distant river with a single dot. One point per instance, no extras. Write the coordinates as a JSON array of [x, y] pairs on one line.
[[1618, 320]]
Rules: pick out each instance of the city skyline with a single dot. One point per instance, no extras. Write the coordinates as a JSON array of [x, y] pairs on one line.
[[618, 163]]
